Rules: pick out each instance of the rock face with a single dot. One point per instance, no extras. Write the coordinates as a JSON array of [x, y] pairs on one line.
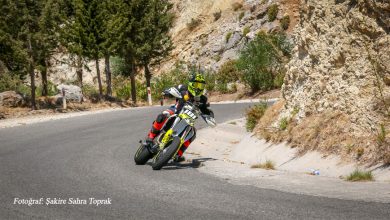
[[11, 99], [341, 62], [72, 92], [207, 45]]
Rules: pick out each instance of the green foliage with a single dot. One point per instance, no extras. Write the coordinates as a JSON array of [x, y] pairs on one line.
[[228, 72], [228, 36], [90, 91], [210, 78], [166, 80], [272, 12], [236, 6], [285, 22], [381, 137], [9, 82], [283, 124], [217, 15], [246, 31], [359, 175], [254, 114], [279, 80], [118, 67], [262, 60], [193, 24], [242, 14]]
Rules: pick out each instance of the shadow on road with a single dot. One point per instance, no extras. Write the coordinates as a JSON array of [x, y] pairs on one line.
[[194, 163]]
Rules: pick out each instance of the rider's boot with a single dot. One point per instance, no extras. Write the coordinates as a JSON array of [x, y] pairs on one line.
[[179, 157]]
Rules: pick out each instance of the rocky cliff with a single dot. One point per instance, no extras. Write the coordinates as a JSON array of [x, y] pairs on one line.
[[211, 41], [336, 90]]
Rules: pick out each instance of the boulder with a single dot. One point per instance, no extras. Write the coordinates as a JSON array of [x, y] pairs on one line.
[[11, 99], [72, 92]]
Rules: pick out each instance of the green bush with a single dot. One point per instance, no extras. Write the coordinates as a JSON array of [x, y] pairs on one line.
[[283, 124], [246, 31], [118, 67], [210, 78], [193, 24], [228, 36], [272, 12], [262, 60], [278, 80], [228, 72], [123, 92], [9, 82], [359, 175], [242, 14], [254, 114], [90, 91], [285, 22]]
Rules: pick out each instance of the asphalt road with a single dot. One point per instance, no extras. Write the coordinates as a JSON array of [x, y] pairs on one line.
[[92, 157]]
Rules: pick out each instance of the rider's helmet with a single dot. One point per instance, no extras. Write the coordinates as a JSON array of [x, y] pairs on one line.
[[197, 84]]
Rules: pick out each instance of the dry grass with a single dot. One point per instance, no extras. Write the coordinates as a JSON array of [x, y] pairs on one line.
[[359, 175], [329, 133], [268, 165]]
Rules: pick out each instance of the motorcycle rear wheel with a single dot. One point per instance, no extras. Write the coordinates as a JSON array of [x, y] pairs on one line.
[[142, 155], [162, 157]]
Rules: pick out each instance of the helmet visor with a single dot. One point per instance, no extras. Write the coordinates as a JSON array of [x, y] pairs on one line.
[[199, 85]]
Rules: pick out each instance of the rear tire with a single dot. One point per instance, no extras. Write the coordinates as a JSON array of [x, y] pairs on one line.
[[142, 155], [163, 157]]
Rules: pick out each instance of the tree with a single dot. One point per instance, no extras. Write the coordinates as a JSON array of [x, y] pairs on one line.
[[262, 59], [154, 43], [20, 27]]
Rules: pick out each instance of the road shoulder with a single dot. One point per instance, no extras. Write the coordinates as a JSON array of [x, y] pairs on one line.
[[228, 152]]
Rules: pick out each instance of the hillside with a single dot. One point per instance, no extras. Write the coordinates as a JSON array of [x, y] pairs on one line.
[[336, 91]]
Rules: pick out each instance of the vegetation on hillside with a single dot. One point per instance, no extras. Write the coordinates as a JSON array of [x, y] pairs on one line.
[[89, 30]]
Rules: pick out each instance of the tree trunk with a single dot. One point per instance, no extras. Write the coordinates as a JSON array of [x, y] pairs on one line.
[[32, 78], [44, 79], [32, 75], [108, 74], [79, 71], [99, 78], [133, 85], [148, 77]]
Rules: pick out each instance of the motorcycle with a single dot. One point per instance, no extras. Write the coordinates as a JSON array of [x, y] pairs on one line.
[[177, 129]]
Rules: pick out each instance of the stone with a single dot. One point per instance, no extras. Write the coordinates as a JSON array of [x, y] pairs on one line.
[[72, 92], [11, 99]]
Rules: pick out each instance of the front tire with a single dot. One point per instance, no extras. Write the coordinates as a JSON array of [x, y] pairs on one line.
[[142, 155], [163, 157]]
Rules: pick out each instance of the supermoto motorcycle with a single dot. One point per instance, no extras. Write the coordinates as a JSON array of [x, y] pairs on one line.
[[177, 129]]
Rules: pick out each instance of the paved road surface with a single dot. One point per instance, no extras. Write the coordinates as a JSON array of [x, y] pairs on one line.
[[92, 157]]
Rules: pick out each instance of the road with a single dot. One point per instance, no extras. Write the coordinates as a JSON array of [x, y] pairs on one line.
[[92, 157]]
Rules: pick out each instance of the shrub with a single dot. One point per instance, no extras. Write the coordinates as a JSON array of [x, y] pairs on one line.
[[283, 124], [236, 6], [268, 165], [210, 81], [285, 22], [278, 80], [262, 59], [118, 67], [242, 14], [246, 31], [193, 24], [217, 15], [228, 36], [381, 137], [222, 88], [272, 12], [359, 175], [123, 92], [254, 114], [228, 72], [90, 91], [10, 82], [176, 76]]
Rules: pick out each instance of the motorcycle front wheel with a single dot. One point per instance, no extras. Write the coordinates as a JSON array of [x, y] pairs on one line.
[[165, 155], [142, 155]]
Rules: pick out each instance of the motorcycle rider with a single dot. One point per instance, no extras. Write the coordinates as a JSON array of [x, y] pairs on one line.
[[192, 93]]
